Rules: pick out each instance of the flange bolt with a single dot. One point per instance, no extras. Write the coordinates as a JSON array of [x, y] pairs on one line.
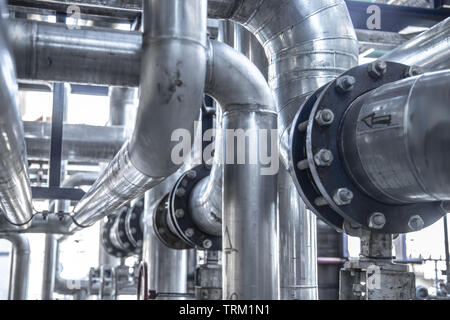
[[343, 196], [345, 83], [377, 220], [416, 223], [323, 158]]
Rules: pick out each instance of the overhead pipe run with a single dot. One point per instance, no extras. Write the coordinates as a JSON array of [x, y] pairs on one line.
[[170, 98], [15, 191], [20, 265], [428, 51]]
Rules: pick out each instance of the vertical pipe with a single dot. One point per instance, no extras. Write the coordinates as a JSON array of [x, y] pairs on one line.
[[249, 233], [167, 268], [20, 264], [298, 244], [50, 266], [447, 251]]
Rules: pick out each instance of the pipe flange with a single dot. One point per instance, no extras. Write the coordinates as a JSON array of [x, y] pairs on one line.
[[330, 190], [179, 211], [107, 243], [133, 226], [162, 229]]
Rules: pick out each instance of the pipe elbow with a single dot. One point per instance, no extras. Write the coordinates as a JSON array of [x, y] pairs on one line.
[[235, 82]]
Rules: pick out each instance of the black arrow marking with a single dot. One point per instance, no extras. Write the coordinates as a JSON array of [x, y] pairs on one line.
[[372, 120]]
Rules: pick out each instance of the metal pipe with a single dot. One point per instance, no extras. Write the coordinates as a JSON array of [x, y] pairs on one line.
[[20, 264], [50, 266], [402, 159], [248, 45], [15, 191], [298, 244], [249, 219], [82, 143], [52, 52], [167, 268], [447, 251], [122, 106], [430, 50], [170, 99]]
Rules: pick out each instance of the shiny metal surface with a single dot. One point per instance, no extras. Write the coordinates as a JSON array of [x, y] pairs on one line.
[[170, 99], [167, 268], [53, 52], [430, 50], [247, 44], [298, 244], [249, 218], [82, 143], [403, 153], [304, 54], [50, 266], [15, 191], [20, 265], [123, 104]]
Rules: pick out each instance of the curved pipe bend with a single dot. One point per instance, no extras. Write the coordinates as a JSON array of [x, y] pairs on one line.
[[170, 99], [238, 86], [20, 265]]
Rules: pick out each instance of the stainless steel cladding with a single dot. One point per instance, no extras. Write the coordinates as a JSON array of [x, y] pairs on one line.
[[15, 191], [172, 83]]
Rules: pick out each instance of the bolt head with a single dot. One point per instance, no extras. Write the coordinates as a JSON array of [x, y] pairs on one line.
[[416, 223], [189, 232], [181, 192], [343, 196], [325, 117], [207, 244], [413, 71], [345, 83], [191, 174], [377, 69], [377, 220], [179, 213], [323, 158]]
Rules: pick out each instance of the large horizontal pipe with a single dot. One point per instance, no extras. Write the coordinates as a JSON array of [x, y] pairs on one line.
[[403, 160], [53, 52], [430, 50], [83, 143]]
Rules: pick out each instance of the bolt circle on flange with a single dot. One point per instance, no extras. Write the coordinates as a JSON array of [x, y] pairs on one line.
[[184, 225], [318, 184]]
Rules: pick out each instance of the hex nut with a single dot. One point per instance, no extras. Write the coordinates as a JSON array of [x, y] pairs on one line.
[[345, 83], [189, 232], [179, 213], [191, 174], [416, 223], [324, 117], [377, 69], [377, 220], [413, 71], [207, 244], [323, 158], [343, 196]]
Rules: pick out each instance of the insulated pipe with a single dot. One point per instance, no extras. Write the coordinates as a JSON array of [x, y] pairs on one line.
[[77, 55], [15, 191], [429, 50], [304, 54], [80, 142], [249, 219], [172, 83], [167, 268], [20, 264], [404, 157]]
